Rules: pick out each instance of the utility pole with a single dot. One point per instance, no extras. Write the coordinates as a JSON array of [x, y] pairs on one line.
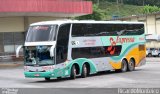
[[143, 2], [118, 5], [117, 2], [98, 2], [121, 1]]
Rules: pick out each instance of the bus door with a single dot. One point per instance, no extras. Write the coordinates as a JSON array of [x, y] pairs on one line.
[[62, 43]]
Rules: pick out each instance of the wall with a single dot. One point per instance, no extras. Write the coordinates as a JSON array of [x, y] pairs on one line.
[[11, 24]]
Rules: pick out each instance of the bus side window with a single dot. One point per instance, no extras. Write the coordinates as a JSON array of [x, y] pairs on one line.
[[62, 43]]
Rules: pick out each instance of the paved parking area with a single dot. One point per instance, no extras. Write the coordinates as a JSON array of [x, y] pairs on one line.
[[146, 76]]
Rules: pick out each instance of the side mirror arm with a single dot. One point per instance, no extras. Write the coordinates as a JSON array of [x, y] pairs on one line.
[[52, 51], [17, 50]]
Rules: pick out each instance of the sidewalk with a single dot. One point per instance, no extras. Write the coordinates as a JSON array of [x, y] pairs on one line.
[[11, 64]]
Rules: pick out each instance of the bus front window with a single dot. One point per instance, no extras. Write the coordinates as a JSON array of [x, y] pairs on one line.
[[38, 55], [41, 33]]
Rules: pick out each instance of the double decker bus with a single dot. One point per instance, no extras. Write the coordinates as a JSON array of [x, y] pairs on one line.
[[70, 48]]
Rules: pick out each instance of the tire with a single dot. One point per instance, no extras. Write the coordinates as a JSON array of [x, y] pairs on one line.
[[73, 72], [84, 71], [158, 55], [47, 78], [149, 55], [131, 65], [124, 66]]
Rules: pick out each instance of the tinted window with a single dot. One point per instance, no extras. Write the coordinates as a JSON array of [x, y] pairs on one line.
[[41, 33], [95, 52], [62, 43], [79, 30]]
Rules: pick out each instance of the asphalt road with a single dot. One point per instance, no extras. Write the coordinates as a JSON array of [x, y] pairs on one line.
[[147, 76]]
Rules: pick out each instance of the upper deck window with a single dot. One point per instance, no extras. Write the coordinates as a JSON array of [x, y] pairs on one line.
[[92, 29], [41, 33]]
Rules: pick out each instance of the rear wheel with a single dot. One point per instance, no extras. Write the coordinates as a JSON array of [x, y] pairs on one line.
[[131, 65], [84, 71], [73, 72], [124, 66], [47, 78]]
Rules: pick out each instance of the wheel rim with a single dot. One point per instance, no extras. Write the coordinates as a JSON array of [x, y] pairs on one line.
[[124, 66], [131, 65], [85, 70], [75, 71]]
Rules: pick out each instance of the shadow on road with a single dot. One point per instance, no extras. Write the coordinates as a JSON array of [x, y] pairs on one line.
[[79, 77]]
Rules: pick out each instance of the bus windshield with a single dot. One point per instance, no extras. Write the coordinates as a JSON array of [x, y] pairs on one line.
[[40, 33], [38, 55]]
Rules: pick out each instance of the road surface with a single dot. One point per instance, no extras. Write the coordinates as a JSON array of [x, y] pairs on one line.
[[147, 76]]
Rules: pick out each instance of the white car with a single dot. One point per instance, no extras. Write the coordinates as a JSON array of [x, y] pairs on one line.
[[149, 52], [156, 52]]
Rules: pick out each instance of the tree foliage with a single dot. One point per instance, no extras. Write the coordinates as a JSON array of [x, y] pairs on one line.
[[97, 14], [138, 2]]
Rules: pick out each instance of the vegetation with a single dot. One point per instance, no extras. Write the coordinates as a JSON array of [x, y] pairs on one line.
[[150, 9], [108, 9], [98, 14]]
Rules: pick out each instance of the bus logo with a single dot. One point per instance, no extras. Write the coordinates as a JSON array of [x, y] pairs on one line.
[[112, 48], [75, 42]]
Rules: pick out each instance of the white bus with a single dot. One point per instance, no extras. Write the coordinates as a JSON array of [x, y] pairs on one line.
[[58, 49]]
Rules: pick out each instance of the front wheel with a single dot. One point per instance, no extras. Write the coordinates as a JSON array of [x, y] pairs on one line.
[[84, 71]]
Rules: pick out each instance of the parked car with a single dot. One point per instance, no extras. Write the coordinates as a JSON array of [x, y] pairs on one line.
[[149, 52], [156, 52]]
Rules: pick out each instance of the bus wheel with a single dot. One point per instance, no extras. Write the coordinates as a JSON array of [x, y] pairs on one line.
[[47, 78], [84, 71], [124, 66], [73, 72], [131, 65]]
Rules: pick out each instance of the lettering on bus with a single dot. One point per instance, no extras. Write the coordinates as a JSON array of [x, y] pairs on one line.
[[89, 42], [121, 40], [111, 49], [41, 28]]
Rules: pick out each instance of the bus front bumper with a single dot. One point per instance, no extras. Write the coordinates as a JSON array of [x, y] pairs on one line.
[[39, 74]]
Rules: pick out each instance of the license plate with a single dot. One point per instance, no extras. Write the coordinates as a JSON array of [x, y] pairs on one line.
[[36, 75]]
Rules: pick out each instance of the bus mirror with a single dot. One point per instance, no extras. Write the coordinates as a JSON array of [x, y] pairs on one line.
[[17, 50], [52, 50]]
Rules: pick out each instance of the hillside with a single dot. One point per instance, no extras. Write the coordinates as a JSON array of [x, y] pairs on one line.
[[105, 10], [111, 9]]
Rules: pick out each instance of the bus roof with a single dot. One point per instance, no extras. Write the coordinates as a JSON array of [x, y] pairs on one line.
[[59, 22]]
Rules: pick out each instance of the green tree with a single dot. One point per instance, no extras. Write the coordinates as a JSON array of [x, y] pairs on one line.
[[97, 14], [150, 9]]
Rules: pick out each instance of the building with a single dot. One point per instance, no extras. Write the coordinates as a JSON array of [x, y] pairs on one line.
[[152, 27], [16, 15]]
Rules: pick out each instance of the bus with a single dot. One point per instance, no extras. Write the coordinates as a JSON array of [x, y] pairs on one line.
[[71, 48]]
